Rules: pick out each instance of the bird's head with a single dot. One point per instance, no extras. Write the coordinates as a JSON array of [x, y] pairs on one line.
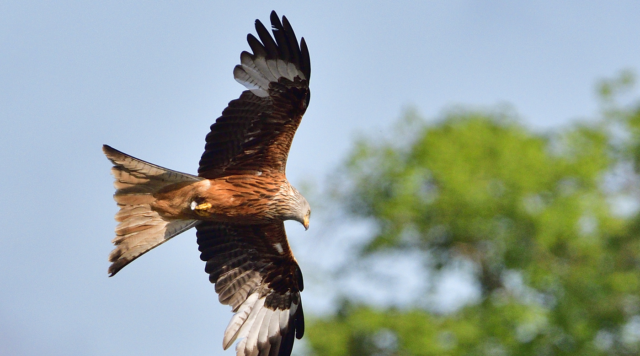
[[302, 210], [305, 220]]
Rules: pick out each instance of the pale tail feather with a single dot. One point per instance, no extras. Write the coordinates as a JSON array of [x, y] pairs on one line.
[[140, 228]]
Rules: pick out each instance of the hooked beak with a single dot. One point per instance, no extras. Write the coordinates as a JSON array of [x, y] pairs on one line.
[[306, 223]]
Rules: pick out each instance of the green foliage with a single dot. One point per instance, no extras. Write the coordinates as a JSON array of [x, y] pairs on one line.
[[518, 205]]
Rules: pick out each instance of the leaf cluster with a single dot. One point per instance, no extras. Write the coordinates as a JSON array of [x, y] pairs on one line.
[[540, 209]]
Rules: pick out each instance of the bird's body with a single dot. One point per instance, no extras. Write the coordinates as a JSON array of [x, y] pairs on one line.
[[239, 199]]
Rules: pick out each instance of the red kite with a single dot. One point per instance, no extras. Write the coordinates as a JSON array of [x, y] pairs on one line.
[[239, 199]]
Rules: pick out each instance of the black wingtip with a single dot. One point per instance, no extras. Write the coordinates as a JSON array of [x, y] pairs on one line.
[[283, 44], [299, 322], [300, 279], [256, 46], [274, 17], [280, 35], [306, 60], [286, 346], [267, 41]]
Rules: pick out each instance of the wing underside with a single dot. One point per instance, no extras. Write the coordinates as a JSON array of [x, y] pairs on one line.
[[255, 273], [255, 131]]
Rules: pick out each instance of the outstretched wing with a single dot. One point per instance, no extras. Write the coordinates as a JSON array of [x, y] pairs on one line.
[[256, 274], [255, 131]]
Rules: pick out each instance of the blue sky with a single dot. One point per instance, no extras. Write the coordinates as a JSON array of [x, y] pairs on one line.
[[149, 78]]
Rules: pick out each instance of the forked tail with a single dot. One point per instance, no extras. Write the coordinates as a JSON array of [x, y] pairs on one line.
[[140, 228]]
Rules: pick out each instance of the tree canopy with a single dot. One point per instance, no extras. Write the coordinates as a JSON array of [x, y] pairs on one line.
[[548, 221]]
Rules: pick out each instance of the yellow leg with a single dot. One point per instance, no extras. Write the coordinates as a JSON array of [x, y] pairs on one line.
[[202, 209]]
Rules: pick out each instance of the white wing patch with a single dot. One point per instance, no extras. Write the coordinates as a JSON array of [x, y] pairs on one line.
[[256, 74], [278, 247], [259, 327]]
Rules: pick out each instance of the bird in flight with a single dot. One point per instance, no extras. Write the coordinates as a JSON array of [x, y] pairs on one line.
[[238, 201]]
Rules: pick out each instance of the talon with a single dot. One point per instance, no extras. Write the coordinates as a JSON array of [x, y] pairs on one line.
[[201, 209]]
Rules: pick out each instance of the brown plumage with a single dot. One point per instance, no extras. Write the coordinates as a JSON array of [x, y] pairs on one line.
[[239, 199]]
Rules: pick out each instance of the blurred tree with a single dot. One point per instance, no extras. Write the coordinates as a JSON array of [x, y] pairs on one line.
[[556, 259]]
